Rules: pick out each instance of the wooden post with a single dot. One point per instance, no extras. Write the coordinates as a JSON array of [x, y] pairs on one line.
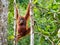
[[31, 24]]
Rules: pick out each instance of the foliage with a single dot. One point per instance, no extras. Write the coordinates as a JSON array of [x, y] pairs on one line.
[[47, 22]]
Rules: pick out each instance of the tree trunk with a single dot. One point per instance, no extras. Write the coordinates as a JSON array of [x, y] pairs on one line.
[[3, 21], [15, 43], [31, 24]]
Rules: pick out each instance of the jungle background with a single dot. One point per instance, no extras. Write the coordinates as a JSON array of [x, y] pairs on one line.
[[47, 22]]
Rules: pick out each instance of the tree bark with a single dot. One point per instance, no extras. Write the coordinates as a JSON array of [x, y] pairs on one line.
[[3, 21], [31, 24], [15, 43]]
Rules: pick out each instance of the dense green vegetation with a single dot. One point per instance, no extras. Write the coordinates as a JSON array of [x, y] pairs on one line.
[[47, 21]]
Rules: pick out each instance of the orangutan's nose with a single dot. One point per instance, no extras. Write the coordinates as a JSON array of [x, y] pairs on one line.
[[21, 21]]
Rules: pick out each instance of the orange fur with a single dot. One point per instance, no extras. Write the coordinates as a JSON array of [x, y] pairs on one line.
[[22, 27]]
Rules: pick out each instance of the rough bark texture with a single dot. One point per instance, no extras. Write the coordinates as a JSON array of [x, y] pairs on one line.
[[31, 24], [3, 21], [15, 43]]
